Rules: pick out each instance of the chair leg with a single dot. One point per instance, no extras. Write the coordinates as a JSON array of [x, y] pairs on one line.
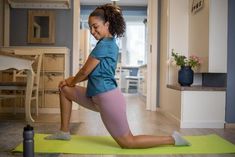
[[36, 107], [127, 86]]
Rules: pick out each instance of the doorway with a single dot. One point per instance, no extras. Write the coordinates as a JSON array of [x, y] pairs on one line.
[[132, 47], [132, 57], [150, 46]]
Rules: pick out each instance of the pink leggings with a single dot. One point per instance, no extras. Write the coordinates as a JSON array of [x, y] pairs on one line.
[[111, 106]]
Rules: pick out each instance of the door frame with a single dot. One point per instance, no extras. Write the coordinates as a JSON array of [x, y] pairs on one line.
[[152, 55], [152, 49], [6, 23]]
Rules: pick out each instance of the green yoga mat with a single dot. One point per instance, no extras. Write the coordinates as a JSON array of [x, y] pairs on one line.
[[208, 144]]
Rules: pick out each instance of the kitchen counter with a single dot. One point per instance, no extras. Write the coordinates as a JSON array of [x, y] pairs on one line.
[[195, 88], [198, 106]]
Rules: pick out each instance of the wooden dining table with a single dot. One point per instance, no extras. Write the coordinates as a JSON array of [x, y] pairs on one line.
[[12, 61]]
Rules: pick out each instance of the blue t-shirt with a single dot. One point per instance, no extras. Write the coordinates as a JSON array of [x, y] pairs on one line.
[[101, 79]]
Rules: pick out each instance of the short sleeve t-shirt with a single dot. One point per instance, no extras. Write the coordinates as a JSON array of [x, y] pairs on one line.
[[101, 79]]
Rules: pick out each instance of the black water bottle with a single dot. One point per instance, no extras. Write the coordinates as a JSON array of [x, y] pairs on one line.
[[28, 143]]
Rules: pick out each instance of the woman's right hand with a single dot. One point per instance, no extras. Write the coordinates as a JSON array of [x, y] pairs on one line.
[[66, 82], [62, 84]]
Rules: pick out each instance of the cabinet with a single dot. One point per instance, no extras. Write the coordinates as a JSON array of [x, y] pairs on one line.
[[198, 106], [55, 67]]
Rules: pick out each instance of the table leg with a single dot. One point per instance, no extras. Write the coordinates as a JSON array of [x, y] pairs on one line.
[[28, 95]]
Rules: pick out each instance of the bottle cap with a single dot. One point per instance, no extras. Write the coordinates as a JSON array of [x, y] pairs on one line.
[[28, 128]]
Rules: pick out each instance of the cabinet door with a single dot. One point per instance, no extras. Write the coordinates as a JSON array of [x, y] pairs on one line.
[[52, 79], [52, 99], [55, 69], [54, 62]]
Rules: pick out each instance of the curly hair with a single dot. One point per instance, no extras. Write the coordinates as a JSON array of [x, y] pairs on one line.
[[113, 15]]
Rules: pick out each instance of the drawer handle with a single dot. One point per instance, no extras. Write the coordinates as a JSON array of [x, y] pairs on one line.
[[51, 76], [54, 56]]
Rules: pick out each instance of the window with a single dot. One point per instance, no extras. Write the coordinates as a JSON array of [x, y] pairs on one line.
[[133, 53]]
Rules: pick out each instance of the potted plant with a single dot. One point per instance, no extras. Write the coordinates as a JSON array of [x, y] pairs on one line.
[[186, 73]]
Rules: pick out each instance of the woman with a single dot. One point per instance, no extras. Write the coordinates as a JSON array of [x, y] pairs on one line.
[[102, 95]]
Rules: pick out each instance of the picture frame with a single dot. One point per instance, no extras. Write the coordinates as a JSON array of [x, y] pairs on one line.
[[41, 26], [197, 5]]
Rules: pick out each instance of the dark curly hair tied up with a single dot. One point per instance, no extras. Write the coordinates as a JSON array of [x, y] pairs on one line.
[[113, 15]]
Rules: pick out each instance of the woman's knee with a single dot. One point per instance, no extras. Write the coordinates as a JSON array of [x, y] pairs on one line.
[[126, 142], [66, 92]]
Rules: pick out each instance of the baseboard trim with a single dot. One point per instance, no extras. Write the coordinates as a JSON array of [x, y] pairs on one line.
[[229, 125], [202, 124], [33, 110], [170, 116]]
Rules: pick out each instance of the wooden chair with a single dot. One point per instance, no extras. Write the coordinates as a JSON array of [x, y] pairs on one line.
[[20, 84], [118, 74]]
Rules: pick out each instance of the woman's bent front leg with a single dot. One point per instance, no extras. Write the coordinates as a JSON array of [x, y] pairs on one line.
[[65, 108], [78, 95], [67, 95], [65, 112]]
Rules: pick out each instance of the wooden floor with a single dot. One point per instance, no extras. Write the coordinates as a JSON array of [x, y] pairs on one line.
[[84, 122]]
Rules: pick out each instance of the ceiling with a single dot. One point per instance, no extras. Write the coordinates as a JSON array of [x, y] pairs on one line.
[[120, 2]]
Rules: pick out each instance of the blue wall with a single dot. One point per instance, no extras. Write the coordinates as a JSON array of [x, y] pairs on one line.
[[230, 104], [63, 29]]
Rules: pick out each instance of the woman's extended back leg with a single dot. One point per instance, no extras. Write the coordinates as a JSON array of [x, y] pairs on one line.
[[113, 113]]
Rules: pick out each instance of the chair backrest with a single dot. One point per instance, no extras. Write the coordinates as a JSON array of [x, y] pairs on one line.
[[118, 73], [36, 65], [133, 71]]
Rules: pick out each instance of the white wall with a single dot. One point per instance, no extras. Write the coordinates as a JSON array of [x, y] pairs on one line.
[[178, 25], [208, 35], [199, 34], [218, 35], [174, 34], [178, 32]]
